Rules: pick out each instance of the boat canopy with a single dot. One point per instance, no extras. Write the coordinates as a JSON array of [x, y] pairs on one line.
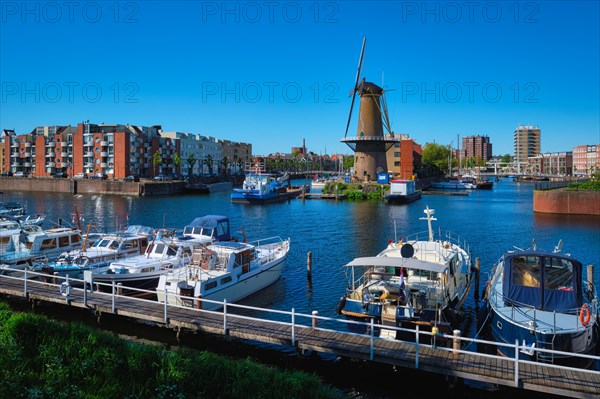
[[545, 280], [219, 224], [389, 261]]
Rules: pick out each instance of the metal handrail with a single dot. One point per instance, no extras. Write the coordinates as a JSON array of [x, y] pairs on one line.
[[311, 321]]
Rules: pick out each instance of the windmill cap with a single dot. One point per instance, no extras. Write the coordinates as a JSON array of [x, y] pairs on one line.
[[369, 88]]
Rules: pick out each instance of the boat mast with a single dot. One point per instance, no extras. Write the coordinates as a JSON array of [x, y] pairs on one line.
[[429, 218], [459, 155]]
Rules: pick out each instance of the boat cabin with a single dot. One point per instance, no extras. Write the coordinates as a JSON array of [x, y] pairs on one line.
[[209, 228], [547, 281]]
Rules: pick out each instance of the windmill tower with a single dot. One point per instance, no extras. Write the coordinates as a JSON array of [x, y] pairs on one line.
[[370, 144]]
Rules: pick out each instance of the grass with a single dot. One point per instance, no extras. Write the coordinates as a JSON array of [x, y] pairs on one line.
[[42, 358]]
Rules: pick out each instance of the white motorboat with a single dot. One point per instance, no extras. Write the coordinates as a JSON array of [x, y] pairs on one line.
[[222, 271], [419, 281], [143, 271], [98, 256], [20, 247]]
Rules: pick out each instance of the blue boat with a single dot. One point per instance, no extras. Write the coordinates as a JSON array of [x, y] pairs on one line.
[[262, 188], [540, 300], [205, 230]]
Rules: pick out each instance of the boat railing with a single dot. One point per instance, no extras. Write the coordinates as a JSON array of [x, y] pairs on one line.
[[77, 290], [446, 236], [529, 314]]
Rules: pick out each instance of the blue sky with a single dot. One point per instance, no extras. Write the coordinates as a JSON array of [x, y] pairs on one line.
[[273, 73]]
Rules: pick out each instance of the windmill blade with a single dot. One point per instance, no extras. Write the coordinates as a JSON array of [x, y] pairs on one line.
[[353, 93], [350, 114], [360, 60], [386, 116]]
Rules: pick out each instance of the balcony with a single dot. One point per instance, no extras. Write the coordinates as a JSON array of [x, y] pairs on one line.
[[64, 154], [27, 164], [15, 144], [104, 165], [14, 155], [27, 145], [88, 154], [104, 154], [88, 165], [64, 144], [50, 165], [50, 155], [51, 144], [88, 144], [27, 155], [104, 143]]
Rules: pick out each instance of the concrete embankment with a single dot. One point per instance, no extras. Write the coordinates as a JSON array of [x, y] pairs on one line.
[[566, 202], [142, 188]]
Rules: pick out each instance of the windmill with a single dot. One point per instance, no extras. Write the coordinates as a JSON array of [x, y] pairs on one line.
[[370, 144]]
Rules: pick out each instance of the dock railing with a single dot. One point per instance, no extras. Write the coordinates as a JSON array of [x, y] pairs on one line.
[[457, 344]]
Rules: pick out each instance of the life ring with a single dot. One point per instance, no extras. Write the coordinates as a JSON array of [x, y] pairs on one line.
[[585, 314], [65, 289]]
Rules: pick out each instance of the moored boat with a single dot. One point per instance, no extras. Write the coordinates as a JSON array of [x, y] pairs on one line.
[[205, 230], [452, 184], [262, 188], [541, 300], [96, 257], [143, 271], [222, 271], [418, 282], [20, 247], [402, 192]]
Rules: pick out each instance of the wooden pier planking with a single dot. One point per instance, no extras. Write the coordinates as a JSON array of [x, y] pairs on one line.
[[467, 365]]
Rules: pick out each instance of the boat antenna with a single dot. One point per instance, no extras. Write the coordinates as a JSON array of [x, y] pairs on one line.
[[77, 216], [429, 218], [395, 235], [243, 235], [558, 247]]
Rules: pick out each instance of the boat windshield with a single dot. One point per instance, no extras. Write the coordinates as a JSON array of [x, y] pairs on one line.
[[203, 231], [548, 282], [106, 243], [80, 261], [64, 258]]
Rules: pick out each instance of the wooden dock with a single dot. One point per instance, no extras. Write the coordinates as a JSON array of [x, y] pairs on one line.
[[312, 332]]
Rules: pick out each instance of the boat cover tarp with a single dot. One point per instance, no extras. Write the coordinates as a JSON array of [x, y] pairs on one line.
[[546, 281], [388, 261], [218, 222]]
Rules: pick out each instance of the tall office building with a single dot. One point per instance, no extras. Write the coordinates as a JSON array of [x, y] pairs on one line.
[[526, 142], [477, 147]]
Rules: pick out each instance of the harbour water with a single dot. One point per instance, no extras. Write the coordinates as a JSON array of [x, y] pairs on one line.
[[335, 232]]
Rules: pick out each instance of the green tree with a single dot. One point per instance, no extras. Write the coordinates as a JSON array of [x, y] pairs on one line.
[[435, 158], [209, 164], [225, 163], [177, 162], [348, 162], [156, 161], [240, 165], [191, 161]]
